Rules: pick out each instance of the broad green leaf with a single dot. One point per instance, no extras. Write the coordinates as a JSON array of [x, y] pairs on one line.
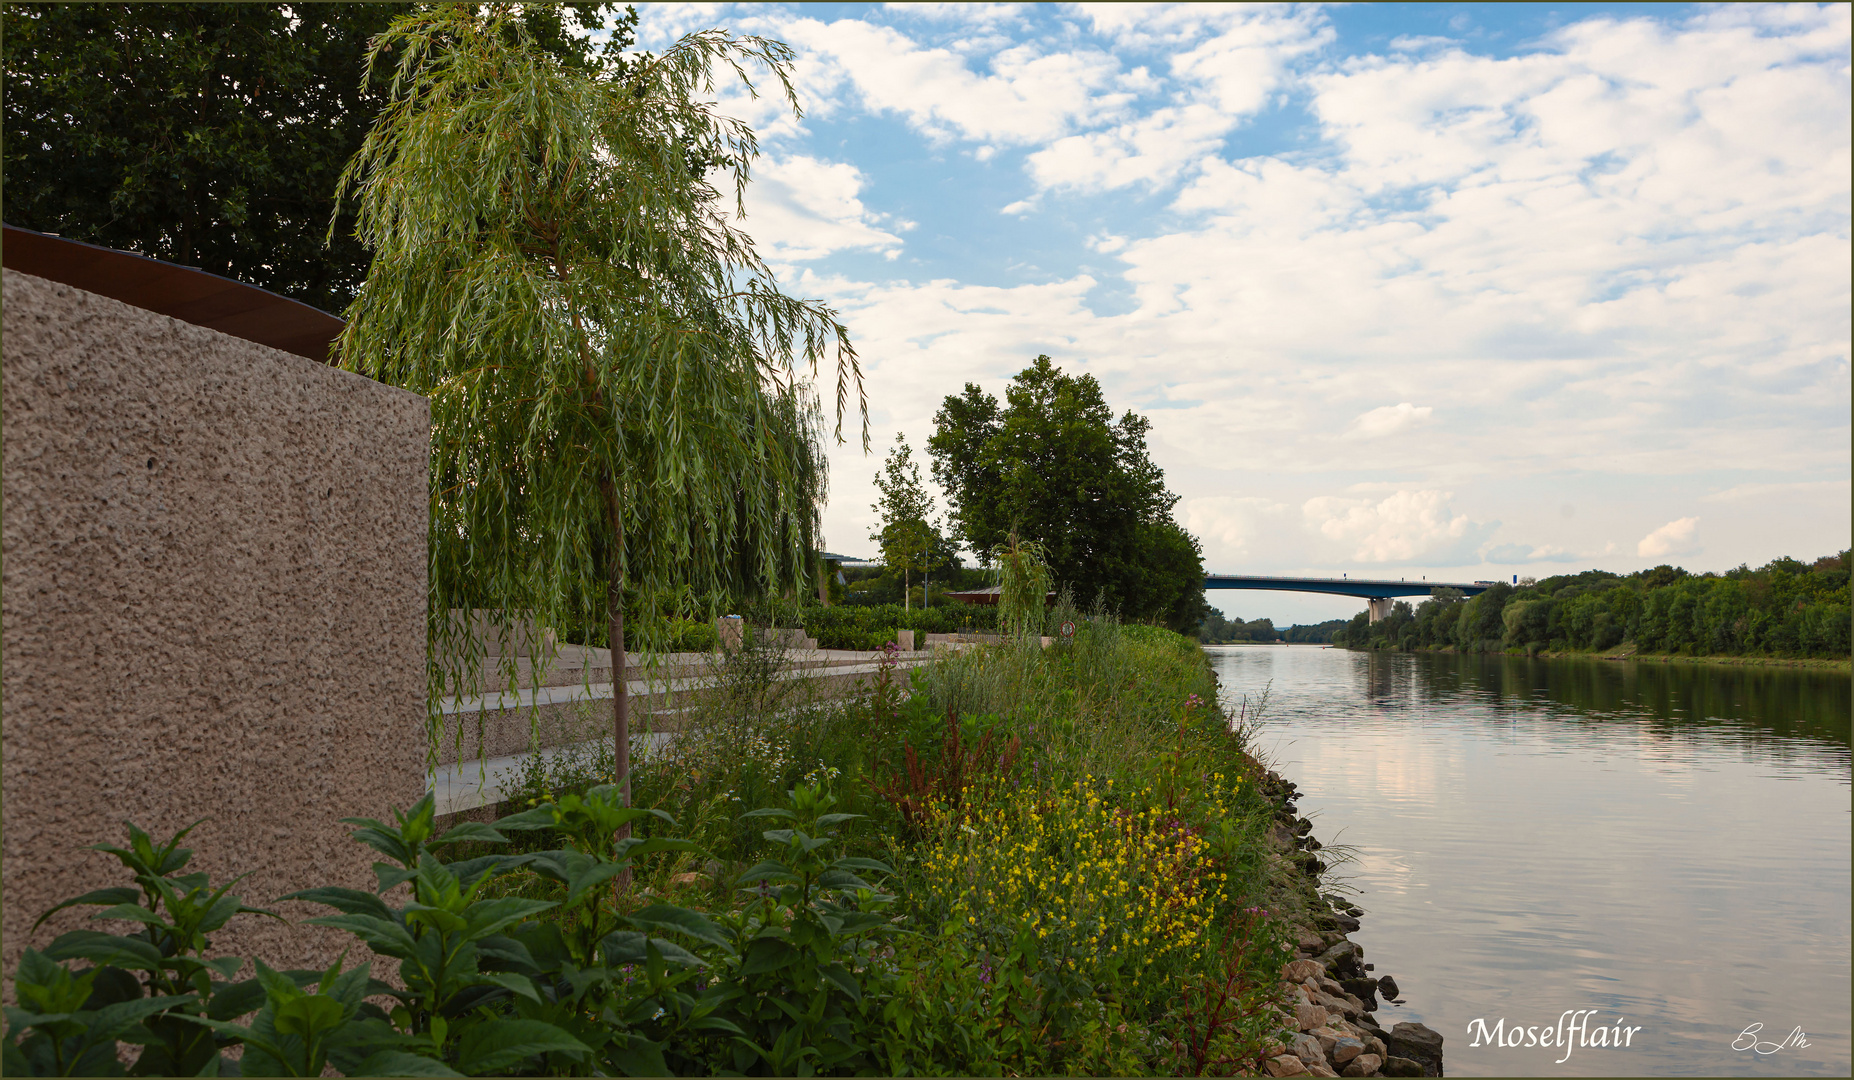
[[100, 948], [669, 918], [486, 917], [382, 935], [308, 1016], [510, 981], [767, 954], [495, 1045], [470, 832], [843, 980], [401, 1063], [767, 871], [121, 894]]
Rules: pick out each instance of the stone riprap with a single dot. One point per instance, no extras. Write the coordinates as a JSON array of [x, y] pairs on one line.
[[1332, 992]]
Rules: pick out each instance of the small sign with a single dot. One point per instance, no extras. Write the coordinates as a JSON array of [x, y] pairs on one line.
[[1068, 629]]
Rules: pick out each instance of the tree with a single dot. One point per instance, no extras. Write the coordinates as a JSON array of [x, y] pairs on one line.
[[905, 530], [1053, 465], [618, 421], [209, 135]]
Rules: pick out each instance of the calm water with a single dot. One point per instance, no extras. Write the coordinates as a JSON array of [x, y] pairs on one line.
[[1667, 844]]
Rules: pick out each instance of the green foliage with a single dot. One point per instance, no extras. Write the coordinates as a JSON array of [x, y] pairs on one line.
[[619, 422], [1023, 577], [1786, 608], [1054, 466], [905, 528], [209, 135], [858, 627], [818, 935], [151, 985]]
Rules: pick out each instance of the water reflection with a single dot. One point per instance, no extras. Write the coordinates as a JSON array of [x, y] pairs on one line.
[[1666, 841]]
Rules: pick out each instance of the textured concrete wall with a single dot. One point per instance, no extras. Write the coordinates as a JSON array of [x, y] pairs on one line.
[[213, 595]]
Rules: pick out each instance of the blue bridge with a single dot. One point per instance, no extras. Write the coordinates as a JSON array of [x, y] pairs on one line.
[[1378, 594]]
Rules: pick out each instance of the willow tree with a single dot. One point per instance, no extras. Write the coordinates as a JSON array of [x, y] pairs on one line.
[[620, 417]]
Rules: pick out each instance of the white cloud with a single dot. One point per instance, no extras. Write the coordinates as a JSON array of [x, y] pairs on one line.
[[1029, 97], [1821, 490], [1415, 527], [1520, 554], [1679, 537], [1150, 150], [1388, 420], [1230, 527], [801, 208], [1621, 255]]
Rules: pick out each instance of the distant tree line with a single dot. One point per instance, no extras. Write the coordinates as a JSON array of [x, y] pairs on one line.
[[1216, 629], [1784, 608]]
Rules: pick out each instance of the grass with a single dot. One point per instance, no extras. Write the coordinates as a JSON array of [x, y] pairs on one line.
[[1079, 838]]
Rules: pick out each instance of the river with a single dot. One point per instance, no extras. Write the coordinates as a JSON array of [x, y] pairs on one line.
[[1667, 844]]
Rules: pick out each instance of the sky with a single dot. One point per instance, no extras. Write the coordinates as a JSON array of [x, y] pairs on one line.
[[1453, 291]]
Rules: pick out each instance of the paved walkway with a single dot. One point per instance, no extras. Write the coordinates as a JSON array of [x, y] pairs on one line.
[[557, 695], [467, 785]]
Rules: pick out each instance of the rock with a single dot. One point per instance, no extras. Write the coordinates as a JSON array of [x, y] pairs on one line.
[[1330, 986], [1365, 990], [1339, 1006], [1388, 987], [1327, 1036], [1289, 1065], [1346, 922], [1375, 1045], [1313, 942], [1302, 970], [1320, 1068], [1342, 949], [1283, 836], [1308, 1017], [1346, 1049], [1369, 967], [1398, 1066], [1418, 1043], [1363, 1065], [1308, 1049], [1302, 826], [1311, 844], [1335, 900]]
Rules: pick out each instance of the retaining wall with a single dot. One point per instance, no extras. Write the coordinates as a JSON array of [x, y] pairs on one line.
[[213, 598]]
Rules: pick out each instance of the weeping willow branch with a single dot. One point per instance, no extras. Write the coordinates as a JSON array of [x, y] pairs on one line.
[[622, 419]]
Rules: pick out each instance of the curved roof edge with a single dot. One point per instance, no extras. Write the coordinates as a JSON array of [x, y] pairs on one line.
[[180, 292]]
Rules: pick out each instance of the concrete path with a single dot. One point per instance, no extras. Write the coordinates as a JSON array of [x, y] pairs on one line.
[[556, 695], [470, 784]]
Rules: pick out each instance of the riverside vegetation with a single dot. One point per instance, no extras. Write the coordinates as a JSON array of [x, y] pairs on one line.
[[1022, 860], [1786, 608]]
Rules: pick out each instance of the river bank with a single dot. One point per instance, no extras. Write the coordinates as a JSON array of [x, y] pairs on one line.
[[1332, 989], [1816, 663]]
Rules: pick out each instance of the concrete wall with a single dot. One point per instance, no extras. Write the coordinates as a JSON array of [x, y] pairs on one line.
[[213, 598]]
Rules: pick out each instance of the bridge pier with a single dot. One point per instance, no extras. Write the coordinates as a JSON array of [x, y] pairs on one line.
[[1379, 607]]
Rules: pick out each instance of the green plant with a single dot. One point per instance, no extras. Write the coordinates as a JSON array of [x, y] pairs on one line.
[[808, 984], [146, 986], [1023, 574]]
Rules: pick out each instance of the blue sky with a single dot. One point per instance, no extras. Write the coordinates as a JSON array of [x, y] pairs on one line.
[[1445, 290]]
